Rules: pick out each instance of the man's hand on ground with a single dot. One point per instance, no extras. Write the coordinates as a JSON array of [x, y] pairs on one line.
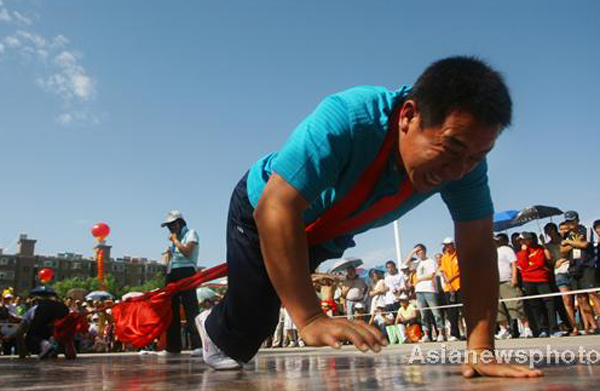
[[325, 331], [499, 370]]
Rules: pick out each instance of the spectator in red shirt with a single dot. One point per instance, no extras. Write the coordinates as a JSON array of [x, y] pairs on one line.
[[536, 276]]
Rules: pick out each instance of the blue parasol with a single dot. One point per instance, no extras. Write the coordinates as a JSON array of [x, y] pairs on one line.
[[505, 220]]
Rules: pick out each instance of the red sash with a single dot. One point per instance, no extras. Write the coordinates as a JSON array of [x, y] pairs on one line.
[[336, 221]]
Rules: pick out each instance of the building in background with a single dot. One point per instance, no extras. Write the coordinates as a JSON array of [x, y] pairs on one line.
[[20, 270]]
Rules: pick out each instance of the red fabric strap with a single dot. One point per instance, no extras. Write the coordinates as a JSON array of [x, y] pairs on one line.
[[336, 221], [64, 329]]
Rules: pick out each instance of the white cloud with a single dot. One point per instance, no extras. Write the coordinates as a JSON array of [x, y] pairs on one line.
[[71, 81], [66, 59], [22, 19], [35, 39], [59, 68], [65, 119], [4, 15], [12, 41], [60, 41], [77, 118]]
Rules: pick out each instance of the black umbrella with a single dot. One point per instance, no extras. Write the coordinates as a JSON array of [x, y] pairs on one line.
[[536, 212]]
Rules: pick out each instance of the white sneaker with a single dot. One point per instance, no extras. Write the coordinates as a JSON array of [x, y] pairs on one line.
[[144, 352], [196, 352], [166, 353], [45, 349], [452, 338], [425, 339], [213, 356], [503, 334], [527, 333], [440, 338]]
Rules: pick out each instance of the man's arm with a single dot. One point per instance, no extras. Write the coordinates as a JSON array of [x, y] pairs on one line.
[[478, 263], [284, 247], [479, 282]]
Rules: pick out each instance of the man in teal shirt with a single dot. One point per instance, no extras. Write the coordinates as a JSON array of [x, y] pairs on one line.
[[363, 158]]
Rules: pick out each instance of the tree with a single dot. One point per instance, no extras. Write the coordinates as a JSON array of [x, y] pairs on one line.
[[158, 281]]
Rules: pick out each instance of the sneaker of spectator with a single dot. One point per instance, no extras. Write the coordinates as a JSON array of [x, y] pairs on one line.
[[543, 334], [196, 352], [452, 338], [440, 338], [166, 353], [425, 339], [46, 349], [503, 334], [527, 333]]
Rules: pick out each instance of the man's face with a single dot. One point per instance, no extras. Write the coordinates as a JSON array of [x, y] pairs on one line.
[[174, 227], [391, 268], [421, 253], [441, 153], [563, 229], [351, 273], [449, 248], [572, 224]]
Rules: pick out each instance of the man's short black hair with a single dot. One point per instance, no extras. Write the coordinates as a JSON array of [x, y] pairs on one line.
[[550, 226], [563, 223], [390, 261], [421, 245], [514, 235], [596, 224], [462, 83], [502, 238]]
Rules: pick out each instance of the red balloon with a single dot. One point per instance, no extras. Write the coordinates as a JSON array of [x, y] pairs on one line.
[[100, 231], [46, 275]]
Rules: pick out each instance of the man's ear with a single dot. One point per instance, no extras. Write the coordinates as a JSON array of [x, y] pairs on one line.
[[408, 113]]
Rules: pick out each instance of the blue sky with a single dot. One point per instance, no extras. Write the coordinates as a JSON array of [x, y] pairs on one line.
[[118, 111]]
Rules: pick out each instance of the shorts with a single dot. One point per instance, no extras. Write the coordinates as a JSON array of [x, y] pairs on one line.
[[508, 310], [562, 279], [587, 279]]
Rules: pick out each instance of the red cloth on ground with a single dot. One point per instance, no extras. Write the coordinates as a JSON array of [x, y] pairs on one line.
[[140, 320], [65, 328], [532, 263]]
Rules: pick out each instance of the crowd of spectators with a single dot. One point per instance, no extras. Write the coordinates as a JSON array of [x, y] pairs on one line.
[[412, 302]]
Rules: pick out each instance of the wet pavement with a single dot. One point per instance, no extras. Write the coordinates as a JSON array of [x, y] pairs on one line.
[[574, 365]]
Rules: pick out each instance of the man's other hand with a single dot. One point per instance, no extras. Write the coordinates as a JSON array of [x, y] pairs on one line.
[[325, 331]]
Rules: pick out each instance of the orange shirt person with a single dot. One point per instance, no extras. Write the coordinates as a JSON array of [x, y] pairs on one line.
[[451, 272]]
